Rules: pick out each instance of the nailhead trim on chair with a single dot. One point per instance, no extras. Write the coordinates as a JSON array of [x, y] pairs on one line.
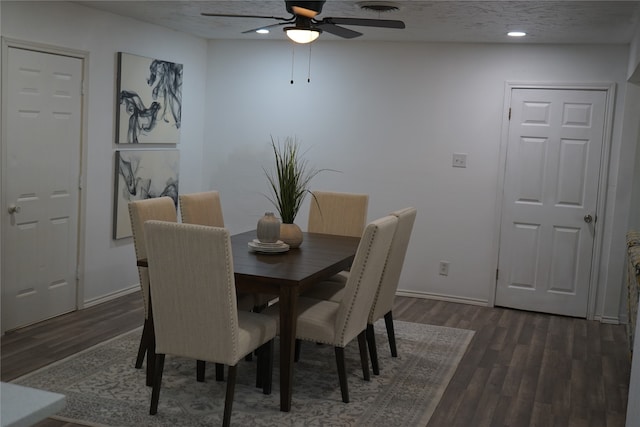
[[364, 264], [234, 340]]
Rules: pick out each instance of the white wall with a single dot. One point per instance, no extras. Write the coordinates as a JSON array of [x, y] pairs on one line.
[[634, 215], [389, 116], [109, 265], [634, 76]]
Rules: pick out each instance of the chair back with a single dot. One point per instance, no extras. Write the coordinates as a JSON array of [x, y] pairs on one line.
[[201, 208], [193, 291], [343, 214], [364, 278], [159, 208], [383, 301]]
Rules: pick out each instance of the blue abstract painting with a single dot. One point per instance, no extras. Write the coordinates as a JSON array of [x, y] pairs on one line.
[[143, 174], [149, 101]]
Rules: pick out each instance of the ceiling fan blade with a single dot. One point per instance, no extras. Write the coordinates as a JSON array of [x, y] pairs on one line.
[[264, 27], [382, 23], [329, 27], [230, 15], [307, 8], [307, 13]]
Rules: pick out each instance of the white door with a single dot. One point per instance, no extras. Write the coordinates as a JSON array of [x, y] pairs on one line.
[[551, 181], [41, 185]]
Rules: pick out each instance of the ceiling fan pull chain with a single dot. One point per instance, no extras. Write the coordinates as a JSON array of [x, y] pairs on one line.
[[293, 53], [309, 71]]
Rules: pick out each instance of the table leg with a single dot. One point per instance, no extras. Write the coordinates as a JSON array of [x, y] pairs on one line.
[[288, 310]]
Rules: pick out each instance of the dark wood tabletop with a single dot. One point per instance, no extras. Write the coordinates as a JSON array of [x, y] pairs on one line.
[[319, 257], [286, 274]]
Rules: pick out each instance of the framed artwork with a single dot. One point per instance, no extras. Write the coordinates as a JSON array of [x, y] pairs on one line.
[[142, 174], [149, 106]]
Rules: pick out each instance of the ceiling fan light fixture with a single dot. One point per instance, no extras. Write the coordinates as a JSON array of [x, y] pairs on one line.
[[302, 35], [262, 31]]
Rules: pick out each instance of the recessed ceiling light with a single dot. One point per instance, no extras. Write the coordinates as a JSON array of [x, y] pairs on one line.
[[262, 31], [516, 34]]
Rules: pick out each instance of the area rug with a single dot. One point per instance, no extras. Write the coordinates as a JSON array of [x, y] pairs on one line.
[[104, 389]]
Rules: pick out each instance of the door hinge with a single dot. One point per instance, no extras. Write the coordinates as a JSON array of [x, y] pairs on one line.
[[80, 183], [509, 113], [497, 274]]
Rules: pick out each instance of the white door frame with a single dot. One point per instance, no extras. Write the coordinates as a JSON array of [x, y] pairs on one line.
[[609, 88], [84, 56]]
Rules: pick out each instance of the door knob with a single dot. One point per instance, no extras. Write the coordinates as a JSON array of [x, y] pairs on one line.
[[588, 218], [14, 209]]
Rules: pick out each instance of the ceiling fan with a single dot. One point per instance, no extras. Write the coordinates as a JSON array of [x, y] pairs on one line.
[[305, 28]]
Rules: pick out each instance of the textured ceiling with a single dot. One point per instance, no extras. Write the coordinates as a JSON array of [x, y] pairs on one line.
[[433, 21]]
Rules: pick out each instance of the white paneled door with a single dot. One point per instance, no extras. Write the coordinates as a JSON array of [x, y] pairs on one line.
[[41, 185], [550, 195]]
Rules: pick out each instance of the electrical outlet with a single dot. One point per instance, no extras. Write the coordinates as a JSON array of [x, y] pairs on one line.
[[459, 160], [444, 268]]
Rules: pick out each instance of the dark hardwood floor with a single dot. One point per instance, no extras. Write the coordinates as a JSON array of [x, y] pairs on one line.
[[521, 369]]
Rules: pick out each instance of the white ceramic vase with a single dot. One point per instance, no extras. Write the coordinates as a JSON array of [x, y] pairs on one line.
[[268, 230]]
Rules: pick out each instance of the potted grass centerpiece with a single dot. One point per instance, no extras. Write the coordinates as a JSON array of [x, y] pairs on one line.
[[289, 184]]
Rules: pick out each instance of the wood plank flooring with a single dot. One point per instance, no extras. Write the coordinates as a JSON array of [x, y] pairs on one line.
[[521, 369]]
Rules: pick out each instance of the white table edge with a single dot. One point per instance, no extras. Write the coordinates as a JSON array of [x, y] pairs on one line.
[[22, 406]]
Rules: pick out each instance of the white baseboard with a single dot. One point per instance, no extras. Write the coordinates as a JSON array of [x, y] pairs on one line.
[[473, 301], [609, 320], [109, 297], [442, 297]]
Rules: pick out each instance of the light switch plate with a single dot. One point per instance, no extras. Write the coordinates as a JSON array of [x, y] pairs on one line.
[[459, 160]]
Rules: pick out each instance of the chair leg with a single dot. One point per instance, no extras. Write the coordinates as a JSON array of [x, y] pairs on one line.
[[200, 368], [373, 351], [264, 373], [364, 361], [342, 373], [268, 368], [260, 366], [144, 344], [157, 380], [228, 400], [219, 372], [151, 355], [388, 321]]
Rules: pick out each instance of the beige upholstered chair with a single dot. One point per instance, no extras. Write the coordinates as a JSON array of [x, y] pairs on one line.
[[194, 305], [343, 214], [205, 209], [383, 302], [338, 323], [201, 208], [162, 209]]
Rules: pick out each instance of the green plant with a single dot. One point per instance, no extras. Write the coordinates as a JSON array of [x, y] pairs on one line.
[[289, 182]]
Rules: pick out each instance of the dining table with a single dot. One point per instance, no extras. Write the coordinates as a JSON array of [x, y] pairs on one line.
[[286, 275]]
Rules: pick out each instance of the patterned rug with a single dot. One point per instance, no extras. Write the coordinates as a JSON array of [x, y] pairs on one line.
[[104, 389]]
